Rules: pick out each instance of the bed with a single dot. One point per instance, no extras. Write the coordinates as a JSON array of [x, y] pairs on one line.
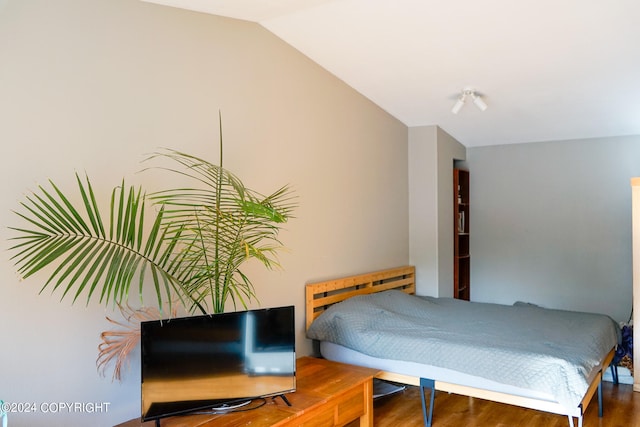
[[462, 347]]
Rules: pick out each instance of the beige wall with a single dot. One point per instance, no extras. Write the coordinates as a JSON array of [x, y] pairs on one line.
[[95, 85], [432, 152], [423, 209], [449, 151]]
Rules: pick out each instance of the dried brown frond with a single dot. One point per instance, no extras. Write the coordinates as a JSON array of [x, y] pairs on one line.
[[116, 345]]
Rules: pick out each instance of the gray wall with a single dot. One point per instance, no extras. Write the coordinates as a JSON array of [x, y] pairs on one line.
[[551, 223]]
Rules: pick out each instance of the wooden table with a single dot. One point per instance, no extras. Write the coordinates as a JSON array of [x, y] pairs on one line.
[[327, 394]]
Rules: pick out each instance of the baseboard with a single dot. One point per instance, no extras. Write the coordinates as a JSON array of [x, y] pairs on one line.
[[624, 375]]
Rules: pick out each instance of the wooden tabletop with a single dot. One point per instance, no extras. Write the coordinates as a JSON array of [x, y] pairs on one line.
[[317, 381]]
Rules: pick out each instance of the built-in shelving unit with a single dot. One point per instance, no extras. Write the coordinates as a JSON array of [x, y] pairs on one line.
[[461, 255]]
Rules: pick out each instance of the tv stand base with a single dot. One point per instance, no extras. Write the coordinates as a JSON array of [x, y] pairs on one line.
[[283, 397]]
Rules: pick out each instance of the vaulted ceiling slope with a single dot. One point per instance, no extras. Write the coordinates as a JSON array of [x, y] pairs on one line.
[[547, 69]]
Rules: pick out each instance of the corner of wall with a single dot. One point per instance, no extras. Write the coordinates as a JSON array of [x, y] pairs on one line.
[[432, 152]]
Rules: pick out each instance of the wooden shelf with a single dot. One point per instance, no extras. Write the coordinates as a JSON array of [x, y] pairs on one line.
[[461, 235]]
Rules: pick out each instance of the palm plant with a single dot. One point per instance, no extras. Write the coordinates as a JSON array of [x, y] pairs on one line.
[[192, 251]]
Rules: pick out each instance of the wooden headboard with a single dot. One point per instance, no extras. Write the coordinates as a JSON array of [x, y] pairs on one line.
[[321, 295]]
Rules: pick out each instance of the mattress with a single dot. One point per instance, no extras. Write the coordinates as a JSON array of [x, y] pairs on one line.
[[552, 354], [338, 353]]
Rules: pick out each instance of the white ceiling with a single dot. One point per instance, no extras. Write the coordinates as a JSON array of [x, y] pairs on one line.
[[548, 69]]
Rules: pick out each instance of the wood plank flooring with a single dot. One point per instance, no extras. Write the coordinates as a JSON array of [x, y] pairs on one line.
[[621, 409]]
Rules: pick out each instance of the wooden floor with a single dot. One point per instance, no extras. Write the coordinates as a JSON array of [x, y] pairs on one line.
[[621, 409]]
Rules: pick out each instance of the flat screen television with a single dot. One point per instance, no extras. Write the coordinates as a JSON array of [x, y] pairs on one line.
[[206, 362]]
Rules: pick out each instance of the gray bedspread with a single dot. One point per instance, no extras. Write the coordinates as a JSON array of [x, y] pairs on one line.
[[551, 351]]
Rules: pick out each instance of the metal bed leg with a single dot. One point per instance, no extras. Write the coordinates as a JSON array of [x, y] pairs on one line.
[[600, 406], [431, 384], [614, 373]]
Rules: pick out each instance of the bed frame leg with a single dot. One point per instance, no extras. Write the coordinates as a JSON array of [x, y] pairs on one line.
[[431, 384], [571, 421], [614, 373], [600, 405]]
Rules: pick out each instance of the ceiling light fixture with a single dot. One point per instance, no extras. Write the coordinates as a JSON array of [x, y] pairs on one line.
[[467, 92], [459, 103]]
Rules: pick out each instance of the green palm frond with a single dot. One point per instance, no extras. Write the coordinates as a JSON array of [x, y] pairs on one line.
[[223, 225], [193, 248], [74, 245]]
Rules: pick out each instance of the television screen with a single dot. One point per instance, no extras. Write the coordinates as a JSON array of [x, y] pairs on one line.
[[204, 362]]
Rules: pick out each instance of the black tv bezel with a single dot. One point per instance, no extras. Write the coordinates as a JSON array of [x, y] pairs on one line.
[[211, 403]]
